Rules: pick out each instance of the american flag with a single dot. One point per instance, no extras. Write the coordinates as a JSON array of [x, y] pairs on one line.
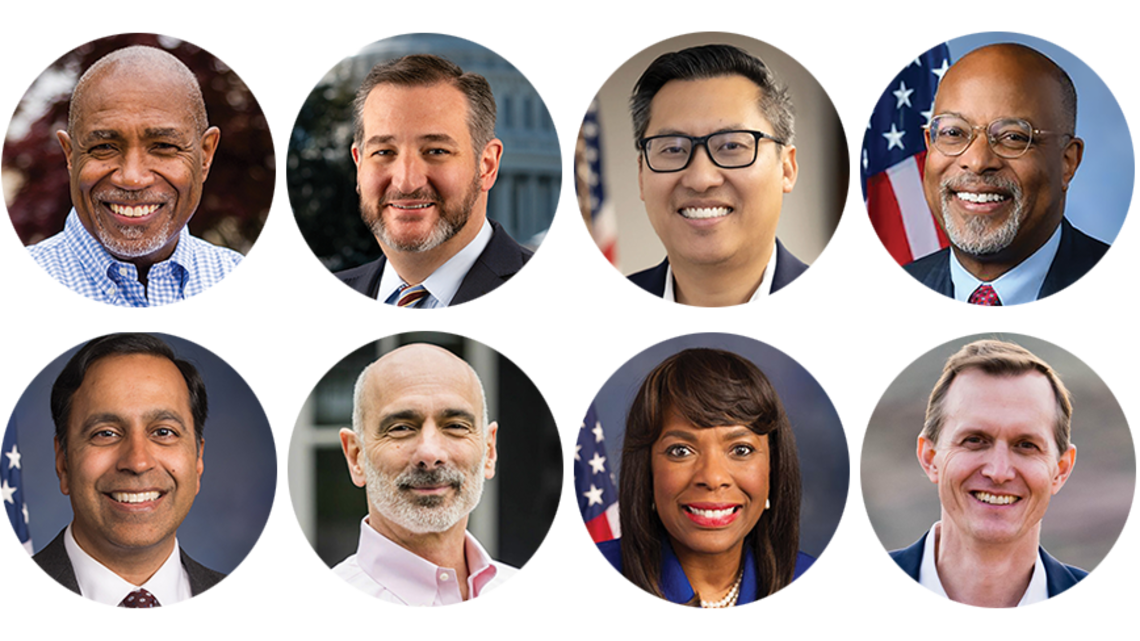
[[596, 209], [593, 482], [894, 151], [11, 488]]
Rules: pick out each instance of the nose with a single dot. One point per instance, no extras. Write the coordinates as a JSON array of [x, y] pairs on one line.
[[999, 466], [408, 173], [702, 174], [712, 472], [431, 448], [135, 454], [134, 171], [979, 157]]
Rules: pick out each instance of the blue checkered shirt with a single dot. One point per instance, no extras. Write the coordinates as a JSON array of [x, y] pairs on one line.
[[77, 260]]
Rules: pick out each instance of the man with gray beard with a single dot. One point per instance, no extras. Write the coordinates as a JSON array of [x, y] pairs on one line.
[[1001, 152], [421, 445], [426, 155]]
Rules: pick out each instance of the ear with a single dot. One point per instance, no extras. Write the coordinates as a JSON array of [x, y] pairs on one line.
[[65, 143], [489, 163], [201, 454], [926, 459], [61, 464], [1070, 160], [640, 178], [1064, 468], [356, 155], [926, 137], [492, 450], [791, 169], [352, 451], [210, 141]]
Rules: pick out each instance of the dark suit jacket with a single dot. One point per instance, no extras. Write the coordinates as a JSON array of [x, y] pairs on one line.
[[1076, 255], [53, 559], [501, 259], [788, 268], [1058, 576]]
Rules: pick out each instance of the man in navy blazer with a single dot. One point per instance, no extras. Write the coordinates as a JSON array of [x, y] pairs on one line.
[[1001, 153], [715, 131], [996, 443]]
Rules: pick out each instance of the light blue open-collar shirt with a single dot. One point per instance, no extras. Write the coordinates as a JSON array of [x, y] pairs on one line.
[[80, 262], [444, 282], [1019, 285]]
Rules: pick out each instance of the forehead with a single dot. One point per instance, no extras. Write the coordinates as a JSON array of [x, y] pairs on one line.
[[124, 97], [122, 382], [676, 425], [988, 85], [698, 107], [394, 110], [1023, 403], [423, 380]]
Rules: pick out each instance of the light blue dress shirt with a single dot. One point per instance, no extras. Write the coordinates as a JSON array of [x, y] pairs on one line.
[[444, 282], [1019, 285]]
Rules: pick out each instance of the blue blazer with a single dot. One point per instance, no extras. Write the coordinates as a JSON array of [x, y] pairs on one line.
[[788, 268], [1076, 255], [675, 585], [1058, 576]]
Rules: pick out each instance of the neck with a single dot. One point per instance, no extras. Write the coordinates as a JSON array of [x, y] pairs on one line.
[[988, 575], [711, 575], [446, 549], [133, 565], [415, 267], [990, 267], [720, 284]]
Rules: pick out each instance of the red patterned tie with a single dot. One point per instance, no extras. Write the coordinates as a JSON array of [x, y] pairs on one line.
[[411, 296], [985, 295], [140, 598]]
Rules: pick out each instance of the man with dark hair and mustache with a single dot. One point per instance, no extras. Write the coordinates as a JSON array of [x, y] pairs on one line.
[[421, 445], [426, 155], [1001, 152], [139, 148]]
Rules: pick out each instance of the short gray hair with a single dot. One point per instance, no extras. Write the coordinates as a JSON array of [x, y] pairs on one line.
[[358, 398]]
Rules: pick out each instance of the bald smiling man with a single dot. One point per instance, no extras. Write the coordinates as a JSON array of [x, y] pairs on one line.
[[139, 148], [1001, 152], [421, 445]]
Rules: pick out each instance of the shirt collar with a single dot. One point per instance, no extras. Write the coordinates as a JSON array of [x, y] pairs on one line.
[[1037, 590], [1019, 285], [169, 585], [415, 580], [122, 278], [444, 282], [675, 585], [763, 290]]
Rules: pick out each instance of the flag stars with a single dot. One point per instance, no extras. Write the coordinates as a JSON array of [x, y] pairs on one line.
[[599, 435], [13, 458], [593, 495], [894, 137], [902, 94], [598, 463], [8, 491], [941, 71], [25, 514]]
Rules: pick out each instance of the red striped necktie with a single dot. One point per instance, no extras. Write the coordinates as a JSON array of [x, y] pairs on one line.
[[410, 295]]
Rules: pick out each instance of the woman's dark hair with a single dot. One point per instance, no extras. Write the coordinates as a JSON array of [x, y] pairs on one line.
[[709, 388], [71, 378]]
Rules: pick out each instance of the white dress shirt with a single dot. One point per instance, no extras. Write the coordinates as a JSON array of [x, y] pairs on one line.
[[763, 290], [169, 585], [1036, 591], [389, 572], [1019, 285], [444, 282]]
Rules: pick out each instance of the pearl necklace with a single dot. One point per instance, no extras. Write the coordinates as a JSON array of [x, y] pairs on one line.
[[729, 599]]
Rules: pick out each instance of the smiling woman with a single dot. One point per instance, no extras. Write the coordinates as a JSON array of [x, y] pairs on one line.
[[710, 484]]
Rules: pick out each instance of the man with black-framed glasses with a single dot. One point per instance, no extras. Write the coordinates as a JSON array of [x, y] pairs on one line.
[[715, 134], [1001, 152]]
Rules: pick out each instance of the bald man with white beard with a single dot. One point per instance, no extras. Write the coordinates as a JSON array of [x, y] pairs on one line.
[[421, 445]]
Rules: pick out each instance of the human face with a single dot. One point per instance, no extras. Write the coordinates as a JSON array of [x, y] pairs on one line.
[[709, 485], [137, 163], [422, 453], [420, 179], [705, 215], [995, 208], [132, 464], [996, 462]]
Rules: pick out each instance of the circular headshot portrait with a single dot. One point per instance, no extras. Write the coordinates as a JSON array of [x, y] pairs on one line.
[[997, 168], [998, 470], [138, 170], [425, 469], [108, 480], [424, 171], [711, 470], [711, 169]]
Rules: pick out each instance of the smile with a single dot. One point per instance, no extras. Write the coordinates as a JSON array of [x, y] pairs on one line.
[[133, 212], [421, 206], [701, 213], [996, 499], [972, 197], [712, 515], [135, 497]]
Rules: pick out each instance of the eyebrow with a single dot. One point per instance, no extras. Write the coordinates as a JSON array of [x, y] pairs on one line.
[[387, 138], [153, 416], [417, 418], [692, 438], [678, 132]]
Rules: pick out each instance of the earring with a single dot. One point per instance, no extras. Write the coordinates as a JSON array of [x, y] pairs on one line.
[[767, 504]]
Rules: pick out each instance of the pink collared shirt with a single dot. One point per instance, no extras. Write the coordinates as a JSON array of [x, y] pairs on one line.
[[391, 573]]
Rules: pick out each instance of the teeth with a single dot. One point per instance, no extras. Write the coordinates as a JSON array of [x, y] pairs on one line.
[[133, 212], [712, 514], [705, 212], [129, 497], [971, 197], [423, 206], [996, 499]]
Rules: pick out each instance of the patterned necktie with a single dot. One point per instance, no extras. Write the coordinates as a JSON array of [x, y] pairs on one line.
[[140, 598], [411, 296], [985, 295]]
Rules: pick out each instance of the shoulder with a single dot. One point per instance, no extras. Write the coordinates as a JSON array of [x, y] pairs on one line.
[[213, 257], [503, 254], [53, 560], [788, 267], [202, 578], [1078, 251], [652, 280], [929, 263], [364, 277], [909, 559], [803, 562], [54, 255], [1059, 576], [612, 551]]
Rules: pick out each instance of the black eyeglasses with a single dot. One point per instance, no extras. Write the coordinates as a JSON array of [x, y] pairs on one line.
[[726, 149], [1008, 137]]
